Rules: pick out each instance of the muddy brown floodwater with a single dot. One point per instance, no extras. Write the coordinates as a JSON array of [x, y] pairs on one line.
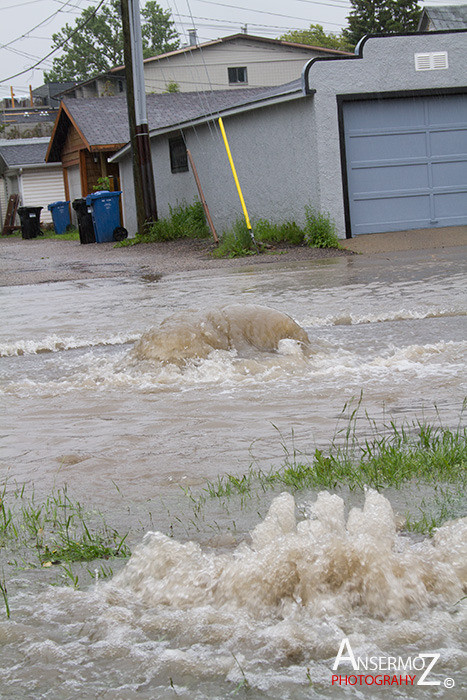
[[89, 404]]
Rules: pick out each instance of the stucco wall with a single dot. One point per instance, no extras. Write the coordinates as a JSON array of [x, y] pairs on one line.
[[288, 155], [273, 153], [387, 65]]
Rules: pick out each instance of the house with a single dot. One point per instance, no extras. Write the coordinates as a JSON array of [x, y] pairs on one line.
[[23, 171], [439, 17], [49, 94], [105, 85], [88, 132], [235, 61], [378, 140]]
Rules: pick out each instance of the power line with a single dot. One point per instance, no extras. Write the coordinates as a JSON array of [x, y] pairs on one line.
[[263, 12], [59, 46], [47, 19]]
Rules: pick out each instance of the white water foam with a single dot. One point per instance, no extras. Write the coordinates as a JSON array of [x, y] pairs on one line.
[[55, 343]]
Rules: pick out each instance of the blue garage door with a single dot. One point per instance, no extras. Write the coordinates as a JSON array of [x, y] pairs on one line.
[[406, 163]]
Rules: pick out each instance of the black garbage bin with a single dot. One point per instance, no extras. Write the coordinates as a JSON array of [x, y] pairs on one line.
[[85, 222], [30, 218]]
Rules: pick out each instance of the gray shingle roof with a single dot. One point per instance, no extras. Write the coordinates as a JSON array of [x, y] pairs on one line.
[[27, 152], [446, 16], [104, 120]]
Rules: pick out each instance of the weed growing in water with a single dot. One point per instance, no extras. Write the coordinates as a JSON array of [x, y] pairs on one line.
[[4, 592], [57, 529], [391, 457]]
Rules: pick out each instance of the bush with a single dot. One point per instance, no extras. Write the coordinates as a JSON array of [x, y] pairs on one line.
[[235, 242], [320, 230], [185, 221], [287, 232]]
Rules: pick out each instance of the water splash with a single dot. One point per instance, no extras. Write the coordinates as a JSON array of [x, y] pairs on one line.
[[236, 327], [325, 565]]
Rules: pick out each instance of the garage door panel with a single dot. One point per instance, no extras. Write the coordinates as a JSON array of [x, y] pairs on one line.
[[452, 142], [451, 206], [438, 113], [374, 148], [452, 174], [384, 114], [411, 174], [391, 178], [392, 212]]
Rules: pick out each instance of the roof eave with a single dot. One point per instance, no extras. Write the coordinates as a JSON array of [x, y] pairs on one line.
[[227, 112]]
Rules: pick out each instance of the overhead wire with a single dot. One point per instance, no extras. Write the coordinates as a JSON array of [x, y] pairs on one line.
[[260, 12], [44, 21], [56, 48]]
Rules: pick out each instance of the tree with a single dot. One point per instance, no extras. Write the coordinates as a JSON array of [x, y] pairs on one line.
[[94, 44], [381, 17], [316, 36], [159, 35]]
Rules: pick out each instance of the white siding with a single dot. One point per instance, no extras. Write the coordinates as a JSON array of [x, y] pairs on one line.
[[3, 200], [42, 187], [206, 69]]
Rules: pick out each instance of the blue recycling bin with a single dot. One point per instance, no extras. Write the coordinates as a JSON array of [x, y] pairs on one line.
[[60, 216], [105, 210]]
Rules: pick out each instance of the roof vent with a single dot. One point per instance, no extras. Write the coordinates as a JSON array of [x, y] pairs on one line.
[[435, 60]]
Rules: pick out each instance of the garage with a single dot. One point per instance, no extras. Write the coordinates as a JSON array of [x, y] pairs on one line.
[[406, 162]]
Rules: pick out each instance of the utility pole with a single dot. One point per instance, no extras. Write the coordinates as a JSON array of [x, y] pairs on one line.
[[145, 196]]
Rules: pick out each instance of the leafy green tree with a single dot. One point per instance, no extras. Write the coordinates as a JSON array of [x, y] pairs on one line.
[[316, 36], [381, 17], [157, 28], [94, 44]]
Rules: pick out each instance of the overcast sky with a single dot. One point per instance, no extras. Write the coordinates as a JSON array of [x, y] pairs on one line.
[[26, 26]]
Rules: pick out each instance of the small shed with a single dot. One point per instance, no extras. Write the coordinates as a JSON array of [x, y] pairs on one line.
[[84, 136], [23, 171]]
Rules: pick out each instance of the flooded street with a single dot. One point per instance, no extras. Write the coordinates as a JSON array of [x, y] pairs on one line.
[[125, 423]]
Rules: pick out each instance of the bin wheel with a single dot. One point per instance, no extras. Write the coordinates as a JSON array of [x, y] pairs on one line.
[[69, 227], [120, 233]]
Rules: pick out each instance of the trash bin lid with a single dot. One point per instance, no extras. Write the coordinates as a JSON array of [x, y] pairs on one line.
[[55, 204], [101, 194], [24, 209]]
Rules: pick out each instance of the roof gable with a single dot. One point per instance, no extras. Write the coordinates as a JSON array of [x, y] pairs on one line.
[[250, 38], [443, 17]]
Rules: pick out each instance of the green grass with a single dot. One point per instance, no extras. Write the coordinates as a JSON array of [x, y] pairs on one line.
[[185, 221], [392, 456], [56, 529], [417, 452], [236, 242], [71, 235], [319, 231], [49, 234]]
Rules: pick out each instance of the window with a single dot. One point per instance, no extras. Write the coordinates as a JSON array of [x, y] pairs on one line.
[[237, 75], [178, 156]]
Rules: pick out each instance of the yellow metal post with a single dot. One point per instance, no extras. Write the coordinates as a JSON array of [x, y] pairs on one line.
[[234, 173]]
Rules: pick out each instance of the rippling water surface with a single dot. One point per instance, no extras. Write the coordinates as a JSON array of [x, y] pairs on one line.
[[102, 390]]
